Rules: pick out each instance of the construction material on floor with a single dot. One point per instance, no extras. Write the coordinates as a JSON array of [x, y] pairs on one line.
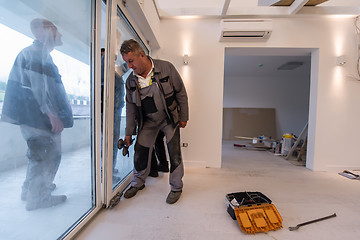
[[253, 211], [312, 221], [302, 135], [261, 143], [291, 147], [240, 145], [350, 175], [250, 147]]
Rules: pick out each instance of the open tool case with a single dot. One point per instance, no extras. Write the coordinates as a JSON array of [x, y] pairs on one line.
[[253, 211]]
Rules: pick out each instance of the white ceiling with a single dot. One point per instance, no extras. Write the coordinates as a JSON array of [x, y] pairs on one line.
[[248, 8], [264, 63]]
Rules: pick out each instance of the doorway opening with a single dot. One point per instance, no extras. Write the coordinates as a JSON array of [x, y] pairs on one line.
[[267, 94]]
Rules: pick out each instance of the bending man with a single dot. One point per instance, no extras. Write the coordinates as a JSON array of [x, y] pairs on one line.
[[156, 101]]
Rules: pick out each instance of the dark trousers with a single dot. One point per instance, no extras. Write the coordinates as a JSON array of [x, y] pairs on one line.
[[143, 151], [44, 154], [159, 153]]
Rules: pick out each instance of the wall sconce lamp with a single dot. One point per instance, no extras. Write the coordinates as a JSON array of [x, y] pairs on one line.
[[186, 59], [341, 60]]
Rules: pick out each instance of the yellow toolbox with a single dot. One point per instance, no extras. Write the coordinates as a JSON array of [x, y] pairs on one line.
[[253, 211]]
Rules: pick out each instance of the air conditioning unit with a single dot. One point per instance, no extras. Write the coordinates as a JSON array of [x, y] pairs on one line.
[[241, 29]]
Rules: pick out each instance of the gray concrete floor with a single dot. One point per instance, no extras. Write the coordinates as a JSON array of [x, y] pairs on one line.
[[298, 194]]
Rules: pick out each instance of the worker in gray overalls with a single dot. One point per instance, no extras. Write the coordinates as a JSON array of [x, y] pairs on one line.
[[156, 100]]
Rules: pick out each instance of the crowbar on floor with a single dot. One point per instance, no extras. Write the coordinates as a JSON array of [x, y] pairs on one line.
[[312, 221]]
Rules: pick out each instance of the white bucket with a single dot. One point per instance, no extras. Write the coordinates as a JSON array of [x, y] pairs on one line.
[[286, 143]]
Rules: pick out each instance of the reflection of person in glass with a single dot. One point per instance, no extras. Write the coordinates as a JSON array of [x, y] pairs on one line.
[[36, 100], [119, 103]]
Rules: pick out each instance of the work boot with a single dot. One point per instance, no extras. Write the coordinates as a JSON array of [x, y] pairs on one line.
[[25, 190], [132, 191], [48, 201], [163, 168], [173, 197], [154, 174]]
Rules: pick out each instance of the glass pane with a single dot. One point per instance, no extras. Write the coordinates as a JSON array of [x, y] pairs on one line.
[[46, 165], [122, 162]]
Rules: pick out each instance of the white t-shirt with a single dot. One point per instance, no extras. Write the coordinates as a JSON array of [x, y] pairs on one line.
[[145, 82]]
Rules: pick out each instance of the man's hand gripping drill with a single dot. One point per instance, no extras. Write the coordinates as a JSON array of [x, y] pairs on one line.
[[125, 144]]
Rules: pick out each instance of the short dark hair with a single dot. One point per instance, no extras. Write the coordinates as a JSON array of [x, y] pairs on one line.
[[131, 46]]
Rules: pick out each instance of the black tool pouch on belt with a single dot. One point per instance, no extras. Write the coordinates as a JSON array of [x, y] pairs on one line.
[[148, 105]]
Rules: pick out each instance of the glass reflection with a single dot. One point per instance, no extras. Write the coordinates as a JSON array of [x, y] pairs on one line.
[[122, 162], [46, 157], [35, 99]]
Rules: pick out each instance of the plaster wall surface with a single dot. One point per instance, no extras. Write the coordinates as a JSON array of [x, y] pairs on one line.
[[334, 97]]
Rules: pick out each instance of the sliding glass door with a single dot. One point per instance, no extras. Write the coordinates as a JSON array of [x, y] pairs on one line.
[[47, 158], [62, 111], [117, 162]]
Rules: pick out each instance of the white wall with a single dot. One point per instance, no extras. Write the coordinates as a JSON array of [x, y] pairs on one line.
[[203, 77], [334, 99], [289, 96]]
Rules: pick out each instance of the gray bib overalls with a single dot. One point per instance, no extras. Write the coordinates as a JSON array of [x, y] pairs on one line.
[[155, 120]]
